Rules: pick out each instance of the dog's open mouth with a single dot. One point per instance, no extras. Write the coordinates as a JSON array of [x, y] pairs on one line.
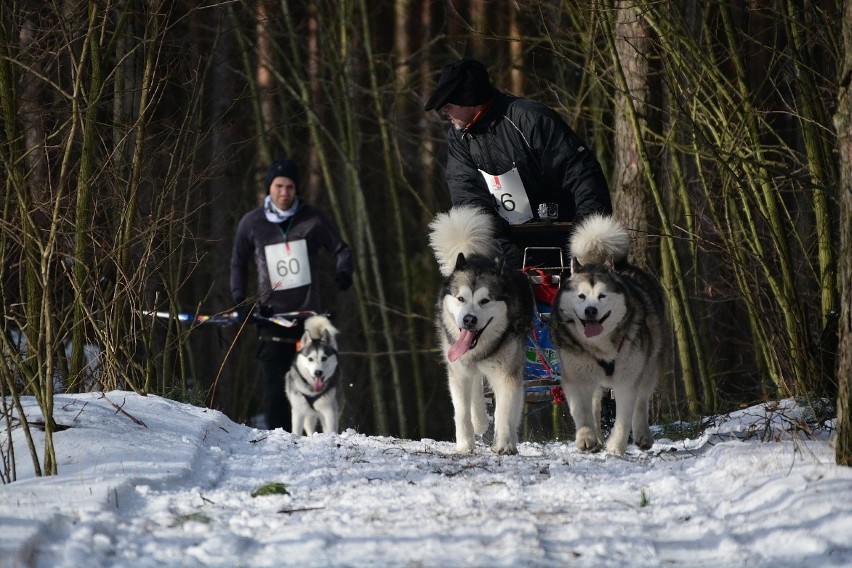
[[466, 341], [319, 384], [594, 328]]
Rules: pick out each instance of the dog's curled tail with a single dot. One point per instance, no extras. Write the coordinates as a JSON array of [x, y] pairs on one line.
[[466, 229], [315, 326], [599, 239]]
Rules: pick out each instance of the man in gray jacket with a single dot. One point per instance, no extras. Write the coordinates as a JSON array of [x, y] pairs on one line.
[[515, 158], [283, 239]]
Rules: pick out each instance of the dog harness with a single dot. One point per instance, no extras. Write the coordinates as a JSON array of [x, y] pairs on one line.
[[311, 399], [609, 366]]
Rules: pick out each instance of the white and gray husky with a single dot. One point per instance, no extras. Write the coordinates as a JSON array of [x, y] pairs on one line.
[[610, 330], [312, 381], [484, 310]]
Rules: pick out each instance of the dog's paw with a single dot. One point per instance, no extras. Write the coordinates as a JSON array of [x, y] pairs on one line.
[[644, 440], [465, 447], [587, 440], [505, 449], [616, 445], [617, 442]]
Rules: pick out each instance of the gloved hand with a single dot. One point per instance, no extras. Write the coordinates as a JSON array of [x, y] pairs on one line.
[[242, 312], [344, 280]]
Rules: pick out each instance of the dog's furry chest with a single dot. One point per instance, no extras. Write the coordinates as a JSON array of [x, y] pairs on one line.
[[609, 373], [300, 394], [606, 364], [607, 348]]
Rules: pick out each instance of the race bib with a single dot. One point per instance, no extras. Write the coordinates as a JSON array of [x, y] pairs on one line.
[[288, 265], [509, 195]]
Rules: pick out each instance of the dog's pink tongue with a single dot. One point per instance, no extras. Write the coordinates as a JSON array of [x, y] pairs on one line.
[[461, 345], [318, 384], [592, 328]]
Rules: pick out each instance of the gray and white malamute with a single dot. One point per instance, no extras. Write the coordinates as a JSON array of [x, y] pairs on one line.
[[610, 330], [483, 312], [311, 383]]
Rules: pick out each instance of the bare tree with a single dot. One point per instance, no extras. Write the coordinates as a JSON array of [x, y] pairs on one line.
[[843, 124], [629, 188]]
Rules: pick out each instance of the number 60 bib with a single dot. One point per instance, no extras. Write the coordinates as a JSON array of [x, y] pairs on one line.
[[288, 265]]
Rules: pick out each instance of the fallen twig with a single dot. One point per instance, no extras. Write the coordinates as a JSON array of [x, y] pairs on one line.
[[121, 410], [78, 414], [301, 510]]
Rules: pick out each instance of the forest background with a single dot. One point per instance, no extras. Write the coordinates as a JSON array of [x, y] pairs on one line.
[[136, 133]]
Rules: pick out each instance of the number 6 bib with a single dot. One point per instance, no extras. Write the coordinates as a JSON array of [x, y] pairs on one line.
[[509, 195], [288, 265]]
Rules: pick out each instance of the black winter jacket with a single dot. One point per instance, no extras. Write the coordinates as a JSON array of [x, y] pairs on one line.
[[555, 165], [255, 232]]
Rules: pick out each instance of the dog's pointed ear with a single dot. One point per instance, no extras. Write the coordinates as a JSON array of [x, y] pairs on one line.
[[306, 339], [461, 263], [574, 265]]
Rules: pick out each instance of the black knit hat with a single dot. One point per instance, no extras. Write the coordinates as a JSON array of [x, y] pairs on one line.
[[285, 168], [463, 83]]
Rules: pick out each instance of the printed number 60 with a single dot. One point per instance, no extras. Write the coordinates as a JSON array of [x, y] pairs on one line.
[[286, 267]]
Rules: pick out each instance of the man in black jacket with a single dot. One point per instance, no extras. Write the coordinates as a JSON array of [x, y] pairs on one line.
[[516, 158], [283, 238]]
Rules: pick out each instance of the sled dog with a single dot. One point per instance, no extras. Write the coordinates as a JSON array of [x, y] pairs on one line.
[[312, 381], [483, 312], [610, 329]]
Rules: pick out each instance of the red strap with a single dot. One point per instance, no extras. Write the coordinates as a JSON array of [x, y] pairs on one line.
[[545, 291]]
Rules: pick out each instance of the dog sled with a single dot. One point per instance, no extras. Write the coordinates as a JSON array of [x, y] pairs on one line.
[[543, 267]]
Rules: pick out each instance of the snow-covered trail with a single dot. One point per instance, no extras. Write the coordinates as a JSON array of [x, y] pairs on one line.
[[355, 500]]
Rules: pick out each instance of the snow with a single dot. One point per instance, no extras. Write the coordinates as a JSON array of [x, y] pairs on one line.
[[175, 489]]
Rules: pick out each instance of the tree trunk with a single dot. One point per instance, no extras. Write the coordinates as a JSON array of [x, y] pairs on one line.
[[629, 190], [517, 73], [315, 177], [843, 124], [263, 76]]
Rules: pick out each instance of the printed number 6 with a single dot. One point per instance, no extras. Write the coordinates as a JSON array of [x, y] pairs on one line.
[[505, 202]]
